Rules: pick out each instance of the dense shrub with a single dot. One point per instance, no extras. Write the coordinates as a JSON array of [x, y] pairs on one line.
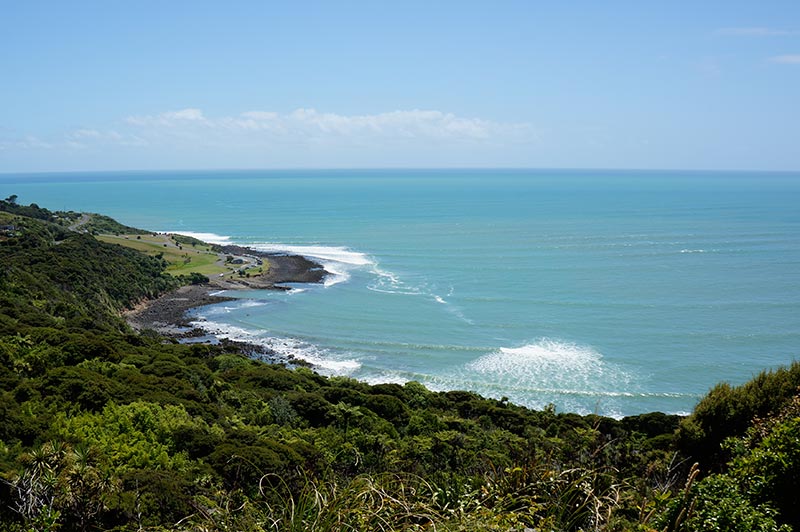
[[728, 411], [102, 428]]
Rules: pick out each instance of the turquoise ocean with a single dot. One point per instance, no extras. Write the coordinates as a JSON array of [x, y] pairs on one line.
[[616, 292]]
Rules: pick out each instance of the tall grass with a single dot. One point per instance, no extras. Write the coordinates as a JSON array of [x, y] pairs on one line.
[[520, 498]]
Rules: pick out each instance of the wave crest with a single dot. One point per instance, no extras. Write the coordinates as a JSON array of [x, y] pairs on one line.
[[338, 261], [289, 347], [211, 238], [549, 364]]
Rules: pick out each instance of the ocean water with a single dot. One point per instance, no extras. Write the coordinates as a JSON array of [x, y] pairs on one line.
[[616, 292]]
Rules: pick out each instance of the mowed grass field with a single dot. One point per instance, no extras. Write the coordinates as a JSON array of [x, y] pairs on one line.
[[182, 259]]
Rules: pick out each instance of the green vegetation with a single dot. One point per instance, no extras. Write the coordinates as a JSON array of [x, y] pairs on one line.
[[105, 429], [83, 222], [181, 256], [729, 411]]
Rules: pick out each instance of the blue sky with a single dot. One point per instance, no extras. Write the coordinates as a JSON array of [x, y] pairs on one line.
[[162, 85]]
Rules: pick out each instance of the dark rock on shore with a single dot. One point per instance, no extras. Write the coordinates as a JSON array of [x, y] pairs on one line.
[[167, 314], [283, 268]]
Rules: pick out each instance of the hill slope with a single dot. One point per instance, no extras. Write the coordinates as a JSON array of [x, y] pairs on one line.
[[103, 428]]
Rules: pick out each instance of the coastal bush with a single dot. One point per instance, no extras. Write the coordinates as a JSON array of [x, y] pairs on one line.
[[388, 407], [728, 411], [767, 459], [78, 386], [132, 432], [196, 278], [717, 504]]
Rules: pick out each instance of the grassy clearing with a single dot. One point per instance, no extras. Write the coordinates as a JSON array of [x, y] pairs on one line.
[[182, 259]]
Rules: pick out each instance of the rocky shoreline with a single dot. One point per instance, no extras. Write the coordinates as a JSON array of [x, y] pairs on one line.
[[167, 315]]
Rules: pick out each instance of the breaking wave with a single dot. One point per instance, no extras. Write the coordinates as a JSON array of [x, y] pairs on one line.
[[553, 366], [211, 238], [338, 261], [321, 358]]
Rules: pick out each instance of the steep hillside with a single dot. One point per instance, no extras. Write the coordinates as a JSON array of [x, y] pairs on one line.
[[102, 428]]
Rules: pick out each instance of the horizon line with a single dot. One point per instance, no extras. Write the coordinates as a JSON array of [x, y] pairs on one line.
[[395, 168]]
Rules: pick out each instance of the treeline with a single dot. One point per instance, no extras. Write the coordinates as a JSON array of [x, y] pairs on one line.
[[84, 222], [51, 275], [105, 429]]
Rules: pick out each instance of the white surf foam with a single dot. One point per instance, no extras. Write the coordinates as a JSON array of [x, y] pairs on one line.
[[322, 359], [211, 238], [386, 377], [555, 366], [229, 306], [338, 261], [333, 253], [250, 303], [388, 283]]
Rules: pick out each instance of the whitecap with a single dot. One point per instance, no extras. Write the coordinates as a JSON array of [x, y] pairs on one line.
[[211, 238], [338, 261], [388, 282], [250, 303], [322, 359], [333, 253], [554, 366], [387, 377]]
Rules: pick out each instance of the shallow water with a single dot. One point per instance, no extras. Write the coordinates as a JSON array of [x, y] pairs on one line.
[[597, 291]]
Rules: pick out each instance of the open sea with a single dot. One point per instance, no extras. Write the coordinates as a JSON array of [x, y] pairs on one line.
[[615, 292]]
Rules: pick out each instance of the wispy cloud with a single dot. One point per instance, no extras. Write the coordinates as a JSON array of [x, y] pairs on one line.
[[304, 136], [754, 32], [169, 118], [306, 124], [27, 142], [788, 59], [87, 138]]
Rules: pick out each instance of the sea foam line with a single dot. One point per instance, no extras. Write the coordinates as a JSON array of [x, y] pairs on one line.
[[338, 261], [211, 238], [288, 347]]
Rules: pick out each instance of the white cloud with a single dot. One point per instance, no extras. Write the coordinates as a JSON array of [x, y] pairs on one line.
[[302, 137], [28, 142], [754, 32], [310, 125], [399, 124], [185, 114], [169, 118], [260, 115], [789, 59], [86, 134], [87, 137]]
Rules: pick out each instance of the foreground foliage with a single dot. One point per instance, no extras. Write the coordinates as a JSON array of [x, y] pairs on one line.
[[101, 428]]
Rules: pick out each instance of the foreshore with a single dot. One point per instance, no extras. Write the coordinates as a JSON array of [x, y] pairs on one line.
[[167, 315]]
